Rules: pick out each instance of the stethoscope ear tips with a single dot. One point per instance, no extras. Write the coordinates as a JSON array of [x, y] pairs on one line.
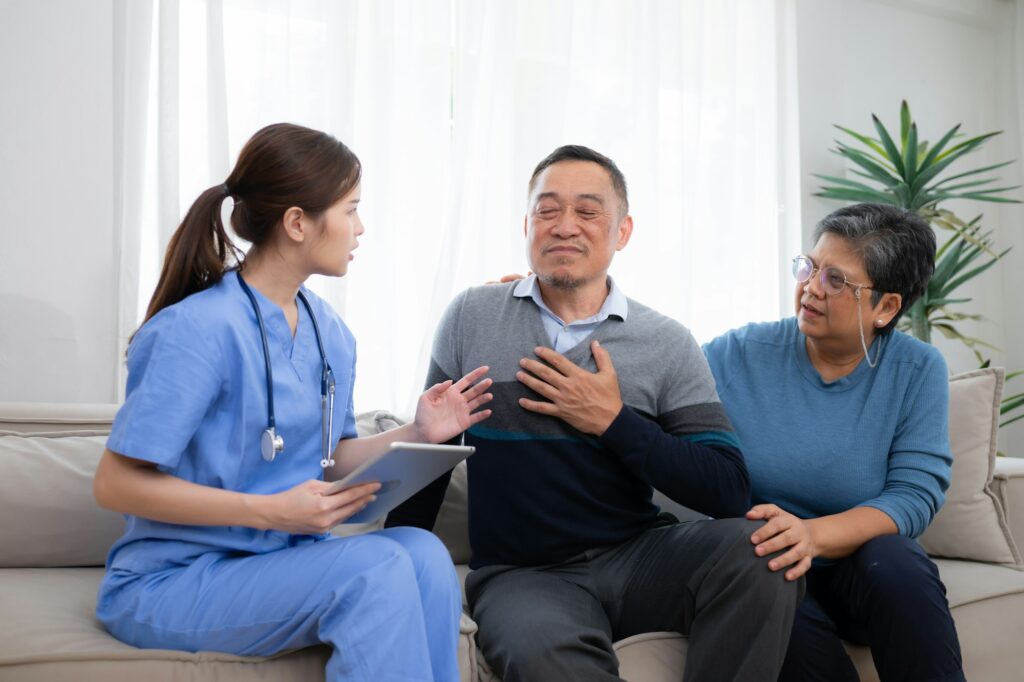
[[324, 463], [271, 444]]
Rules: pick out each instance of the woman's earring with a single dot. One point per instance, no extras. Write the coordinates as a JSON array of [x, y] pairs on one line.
[[879, 323]]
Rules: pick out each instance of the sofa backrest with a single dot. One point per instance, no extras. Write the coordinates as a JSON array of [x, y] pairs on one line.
[[48, 516], [49, 452]]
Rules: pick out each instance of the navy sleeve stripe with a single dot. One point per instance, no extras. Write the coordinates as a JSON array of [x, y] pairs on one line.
[[499, 434], [714, 438]]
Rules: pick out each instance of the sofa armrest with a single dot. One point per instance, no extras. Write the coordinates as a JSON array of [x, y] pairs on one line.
[[1008, 484], [51, 418]]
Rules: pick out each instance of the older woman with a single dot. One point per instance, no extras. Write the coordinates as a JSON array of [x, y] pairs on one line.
[[843, 423]]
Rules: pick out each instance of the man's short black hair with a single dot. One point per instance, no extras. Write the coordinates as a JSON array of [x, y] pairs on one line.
[[577, 152]]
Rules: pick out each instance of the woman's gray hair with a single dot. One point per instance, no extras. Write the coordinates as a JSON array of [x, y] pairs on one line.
[[896, 246]]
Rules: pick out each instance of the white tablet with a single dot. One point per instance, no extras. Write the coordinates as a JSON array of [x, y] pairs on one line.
[[403, 470]]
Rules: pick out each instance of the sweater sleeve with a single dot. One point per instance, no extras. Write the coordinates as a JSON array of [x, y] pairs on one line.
[[920, 459], [709, 477], [689, 451]]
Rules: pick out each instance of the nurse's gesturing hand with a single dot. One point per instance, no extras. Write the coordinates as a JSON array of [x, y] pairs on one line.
[[307, 508], [447, 409]]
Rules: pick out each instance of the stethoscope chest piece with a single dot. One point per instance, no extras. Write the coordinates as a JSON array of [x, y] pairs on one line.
[[271, 444]]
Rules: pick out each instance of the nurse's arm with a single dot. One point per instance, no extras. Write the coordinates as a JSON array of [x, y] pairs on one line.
[[137, 487], [443, 411], [351, 452]]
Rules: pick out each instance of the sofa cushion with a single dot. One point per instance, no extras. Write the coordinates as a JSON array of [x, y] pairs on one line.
[[972, 523], [49, 632], [451, 524], [1008, 483], [48, 516]]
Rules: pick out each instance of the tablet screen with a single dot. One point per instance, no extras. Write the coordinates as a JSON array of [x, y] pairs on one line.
[[402, 470]]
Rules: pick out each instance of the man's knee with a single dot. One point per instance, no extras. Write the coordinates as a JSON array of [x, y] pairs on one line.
[[748, 571]]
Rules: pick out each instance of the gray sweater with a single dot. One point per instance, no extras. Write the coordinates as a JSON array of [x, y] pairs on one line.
[[541, 491]]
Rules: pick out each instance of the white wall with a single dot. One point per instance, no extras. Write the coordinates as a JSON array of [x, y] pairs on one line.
[[953, 60], [57, 274]]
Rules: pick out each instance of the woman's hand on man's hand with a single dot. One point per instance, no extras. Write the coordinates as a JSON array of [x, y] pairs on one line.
[[784, 531]]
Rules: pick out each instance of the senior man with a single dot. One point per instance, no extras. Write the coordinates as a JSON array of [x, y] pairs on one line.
[[569, 552]]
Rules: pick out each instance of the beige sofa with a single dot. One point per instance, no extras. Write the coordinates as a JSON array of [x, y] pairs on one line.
[[53, 540]]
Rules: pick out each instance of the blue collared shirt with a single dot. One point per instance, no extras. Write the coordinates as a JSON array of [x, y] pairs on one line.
[[565, 336]]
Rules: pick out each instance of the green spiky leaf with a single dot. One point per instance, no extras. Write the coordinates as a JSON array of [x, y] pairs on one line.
[[870, 165], [864, 140], [891, 152], [910, 154], [905, 125]]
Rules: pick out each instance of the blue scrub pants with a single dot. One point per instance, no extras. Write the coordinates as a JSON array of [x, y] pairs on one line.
[[387, 603], [887, 595]]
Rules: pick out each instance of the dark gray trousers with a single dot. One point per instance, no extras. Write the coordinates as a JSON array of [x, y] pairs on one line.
[[700, 578]]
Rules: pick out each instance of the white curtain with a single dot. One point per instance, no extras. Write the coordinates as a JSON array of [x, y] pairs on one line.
[[450, 104]]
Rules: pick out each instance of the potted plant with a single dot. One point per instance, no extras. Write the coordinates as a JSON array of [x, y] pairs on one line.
[[913, 175]]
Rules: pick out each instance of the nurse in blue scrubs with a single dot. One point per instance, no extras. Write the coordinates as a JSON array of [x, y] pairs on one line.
[[227, 546]]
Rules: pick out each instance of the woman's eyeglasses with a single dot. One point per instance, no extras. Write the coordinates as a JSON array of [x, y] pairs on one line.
[[833, 280]]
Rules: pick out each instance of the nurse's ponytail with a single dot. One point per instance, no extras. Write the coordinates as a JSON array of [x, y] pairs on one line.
[[281, 166], [197, 254]]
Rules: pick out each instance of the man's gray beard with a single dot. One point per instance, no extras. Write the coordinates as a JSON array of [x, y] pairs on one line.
[[564, 281]]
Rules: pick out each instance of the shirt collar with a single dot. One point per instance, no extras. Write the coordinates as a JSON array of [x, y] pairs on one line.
[[615, 303]]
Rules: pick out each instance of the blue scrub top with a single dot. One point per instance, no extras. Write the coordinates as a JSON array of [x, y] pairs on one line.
[[196, 406]]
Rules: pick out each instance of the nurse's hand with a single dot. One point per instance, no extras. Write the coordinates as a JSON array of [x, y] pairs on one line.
[[308, 509], [511, 277], [784, 531], [447, 409]]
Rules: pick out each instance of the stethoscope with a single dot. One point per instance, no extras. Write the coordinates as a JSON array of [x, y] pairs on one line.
[[270, 442]]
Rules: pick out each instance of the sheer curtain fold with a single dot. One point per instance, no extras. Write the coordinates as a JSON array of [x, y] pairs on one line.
[[1019, 68], [133, 23], [169, 98], [451, 103], [218, 148]]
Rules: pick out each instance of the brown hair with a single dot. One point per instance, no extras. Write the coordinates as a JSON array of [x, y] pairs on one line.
[[281, 166]]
